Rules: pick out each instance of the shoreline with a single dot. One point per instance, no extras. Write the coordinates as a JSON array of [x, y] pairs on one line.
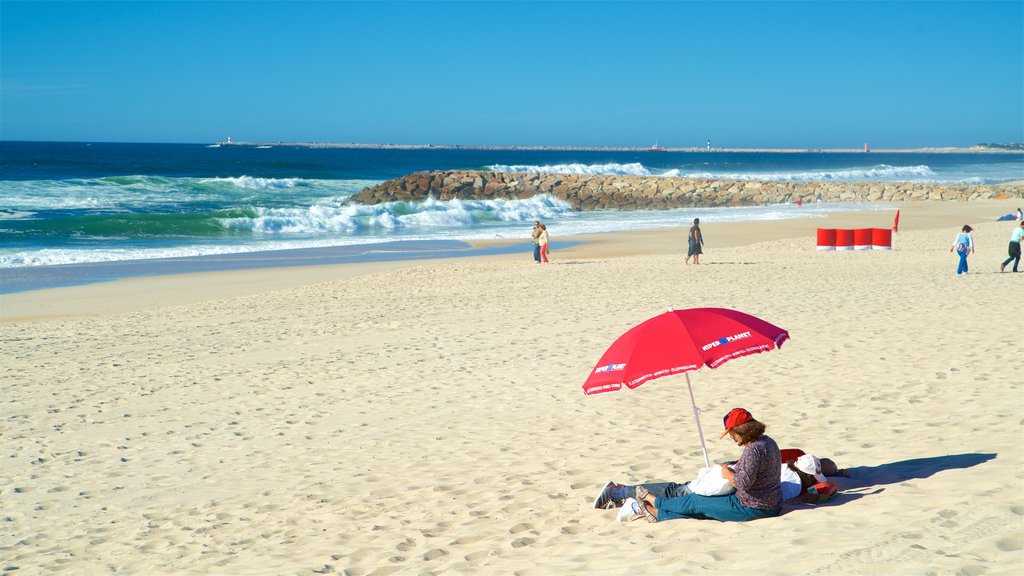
[[29, 278], [146, 292]]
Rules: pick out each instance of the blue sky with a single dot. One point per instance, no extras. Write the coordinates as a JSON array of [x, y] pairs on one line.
[[762, 74]]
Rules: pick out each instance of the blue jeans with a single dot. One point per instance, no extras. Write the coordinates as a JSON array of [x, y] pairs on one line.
[[536, 252], [962, 267], [661, 490], [724, 508]]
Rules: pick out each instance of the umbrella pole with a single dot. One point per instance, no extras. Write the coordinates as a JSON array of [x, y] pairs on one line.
[[696, 417]]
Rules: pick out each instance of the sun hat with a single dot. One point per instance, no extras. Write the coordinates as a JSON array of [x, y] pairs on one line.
[[734, 418], [810, 465]]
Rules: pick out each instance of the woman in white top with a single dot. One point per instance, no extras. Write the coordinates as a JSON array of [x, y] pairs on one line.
[[964, 245]]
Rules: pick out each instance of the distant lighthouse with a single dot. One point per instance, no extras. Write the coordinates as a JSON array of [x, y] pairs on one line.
[[229, 140], [866, 147], [709, 145]]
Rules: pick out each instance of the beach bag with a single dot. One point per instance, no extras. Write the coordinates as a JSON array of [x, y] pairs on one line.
[[823, 490], [710, 482]]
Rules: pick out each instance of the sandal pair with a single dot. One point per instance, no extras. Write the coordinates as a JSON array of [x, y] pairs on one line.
[[641, 495]]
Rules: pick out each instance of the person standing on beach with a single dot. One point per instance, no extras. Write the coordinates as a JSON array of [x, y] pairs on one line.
[[536, 242], [964, 245], [1014, 249], [543, 241], [695, 243]]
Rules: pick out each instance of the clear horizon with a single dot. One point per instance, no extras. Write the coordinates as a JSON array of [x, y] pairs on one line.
[[780, 75]]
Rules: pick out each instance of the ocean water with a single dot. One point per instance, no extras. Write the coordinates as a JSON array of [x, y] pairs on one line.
[[80, 203]]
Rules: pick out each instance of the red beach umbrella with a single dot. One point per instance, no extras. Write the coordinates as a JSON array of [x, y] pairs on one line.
[[679, 341]]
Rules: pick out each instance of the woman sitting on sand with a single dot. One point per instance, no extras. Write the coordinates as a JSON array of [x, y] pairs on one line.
[[755, 476]]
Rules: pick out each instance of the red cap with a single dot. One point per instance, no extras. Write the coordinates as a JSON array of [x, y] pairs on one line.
[[734, 418]]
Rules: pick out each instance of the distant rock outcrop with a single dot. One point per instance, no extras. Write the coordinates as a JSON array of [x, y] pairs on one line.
[[585, 192]]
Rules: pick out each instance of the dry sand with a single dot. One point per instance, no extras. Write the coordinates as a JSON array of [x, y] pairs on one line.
[[428, 418]]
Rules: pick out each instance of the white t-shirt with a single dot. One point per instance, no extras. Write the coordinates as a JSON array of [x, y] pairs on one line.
[[791, 485], [1017, 233]]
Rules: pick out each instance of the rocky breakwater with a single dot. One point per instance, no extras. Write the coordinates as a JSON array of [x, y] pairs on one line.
[[587, 192]]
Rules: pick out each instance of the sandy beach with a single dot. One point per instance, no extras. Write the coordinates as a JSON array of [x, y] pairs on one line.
[[428, 417]]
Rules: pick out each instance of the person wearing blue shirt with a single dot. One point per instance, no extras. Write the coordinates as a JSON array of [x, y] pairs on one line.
[[964, 245]]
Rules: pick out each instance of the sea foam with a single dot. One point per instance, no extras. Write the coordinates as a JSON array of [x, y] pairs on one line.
[[632, 169], [429, 214], [875, 173], [144, 192]]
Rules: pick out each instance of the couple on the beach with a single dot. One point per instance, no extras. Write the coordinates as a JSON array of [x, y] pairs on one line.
[[963, 245], [540, 243], [755, 485]]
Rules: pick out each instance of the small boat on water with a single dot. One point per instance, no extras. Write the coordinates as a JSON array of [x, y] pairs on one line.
[[655, 148]]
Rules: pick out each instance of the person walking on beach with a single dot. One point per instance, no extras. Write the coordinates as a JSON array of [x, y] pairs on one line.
[[695, 242], [755, 476], [536, 242], [964, 245], [543, 241], [1014, 249]]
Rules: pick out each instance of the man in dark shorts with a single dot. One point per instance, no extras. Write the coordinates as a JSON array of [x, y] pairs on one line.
[[695, 243]]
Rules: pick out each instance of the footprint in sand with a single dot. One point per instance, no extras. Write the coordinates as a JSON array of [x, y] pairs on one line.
[[478, 556], [435, 554], [521, 542], [520, 528], [1009, 545]]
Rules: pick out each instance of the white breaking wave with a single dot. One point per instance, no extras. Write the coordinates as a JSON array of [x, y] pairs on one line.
[[252, 183], [428, 214], [54, 257], [633, 169], [879, 173], [141, 192], [15, 215]]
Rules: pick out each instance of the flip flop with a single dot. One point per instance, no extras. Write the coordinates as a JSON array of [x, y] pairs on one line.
[[642, 493]]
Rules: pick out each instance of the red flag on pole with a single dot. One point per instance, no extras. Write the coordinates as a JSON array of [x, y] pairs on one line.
[[896, 222]]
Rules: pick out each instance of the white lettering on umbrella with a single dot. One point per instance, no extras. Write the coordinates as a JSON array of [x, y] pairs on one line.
[[609, 368], [725, 340]]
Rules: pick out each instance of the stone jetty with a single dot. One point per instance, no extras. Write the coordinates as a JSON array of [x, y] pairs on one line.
[[587, 192]]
